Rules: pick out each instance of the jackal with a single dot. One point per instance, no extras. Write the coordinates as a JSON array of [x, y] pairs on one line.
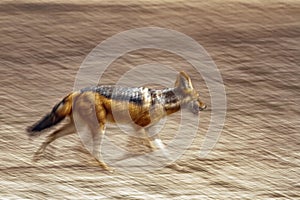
[[96, 106]]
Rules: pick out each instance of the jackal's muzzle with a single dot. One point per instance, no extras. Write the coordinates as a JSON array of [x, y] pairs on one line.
[[196, 106]]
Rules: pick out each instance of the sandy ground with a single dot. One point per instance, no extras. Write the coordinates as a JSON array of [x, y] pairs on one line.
[[255, 46]]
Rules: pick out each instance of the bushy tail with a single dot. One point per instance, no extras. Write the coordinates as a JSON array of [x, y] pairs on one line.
[[58, 113]]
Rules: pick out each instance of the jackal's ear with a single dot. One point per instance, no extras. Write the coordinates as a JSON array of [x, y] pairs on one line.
[[183, 81]]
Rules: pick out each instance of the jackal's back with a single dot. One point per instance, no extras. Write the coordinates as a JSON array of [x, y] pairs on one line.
[[136, 95]]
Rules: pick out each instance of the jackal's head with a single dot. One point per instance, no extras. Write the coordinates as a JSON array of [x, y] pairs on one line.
[[191, 97]]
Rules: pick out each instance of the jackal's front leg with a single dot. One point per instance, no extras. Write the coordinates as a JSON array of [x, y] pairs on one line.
[[161, 146], [146, 139], [157, 143]]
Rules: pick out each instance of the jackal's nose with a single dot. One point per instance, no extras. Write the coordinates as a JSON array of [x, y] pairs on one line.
[[202, 107]]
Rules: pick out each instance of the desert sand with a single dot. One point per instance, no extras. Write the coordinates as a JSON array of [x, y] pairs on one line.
[[255, 45]]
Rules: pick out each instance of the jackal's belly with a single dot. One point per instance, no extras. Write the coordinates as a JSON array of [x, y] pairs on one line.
[[128, 114], [131, 113]]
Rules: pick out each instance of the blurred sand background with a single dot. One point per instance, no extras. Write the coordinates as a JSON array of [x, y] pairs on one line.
[[255, 44]]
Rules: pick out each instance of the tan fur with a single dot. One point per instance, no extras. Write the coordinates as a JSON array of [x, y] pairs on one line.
[[96, 110]]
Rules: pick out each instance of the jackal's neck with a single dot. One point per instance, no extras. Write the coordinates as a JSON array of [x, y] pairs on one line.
[[172, 99]]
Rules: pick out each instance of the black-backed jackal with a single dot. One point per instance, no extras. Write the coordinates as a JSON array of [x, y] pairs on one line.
[[98, 105]]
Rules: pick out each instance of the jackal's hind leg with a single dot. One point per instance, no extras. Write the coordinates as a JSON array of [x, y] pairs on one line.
[[97, 139], [63, 131], [92, 115]]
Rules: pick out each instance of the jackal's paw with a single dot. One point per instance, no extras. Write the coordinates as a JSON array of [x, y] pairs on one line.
[[106, 167], [37, 156], [149, 144], [177, 167], [110, 170]]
